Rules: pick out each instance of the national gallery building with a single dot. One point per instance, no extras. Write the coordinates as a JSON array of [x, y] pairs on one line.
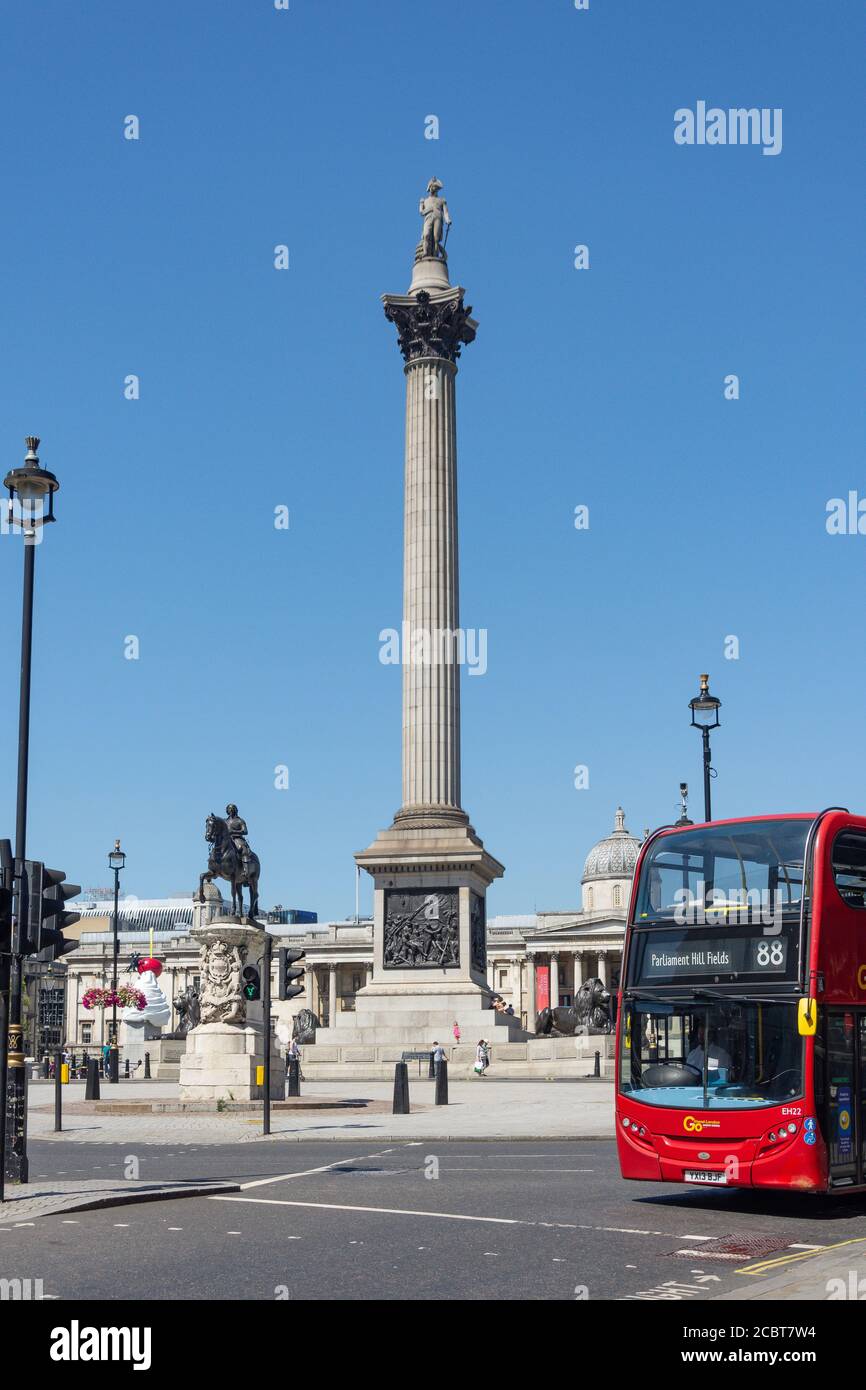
[[533, 961]]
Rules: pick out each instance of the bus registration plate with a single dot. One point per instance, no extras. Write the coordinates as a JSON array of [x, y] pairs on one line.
[[704, 1175]]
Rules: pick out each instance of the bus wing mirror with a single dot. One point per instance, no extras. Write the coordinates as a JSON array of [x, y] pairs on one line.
[[807, 1018]]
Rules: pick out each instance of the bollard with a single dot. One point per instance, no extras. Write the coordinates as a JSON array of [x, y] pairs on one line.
[[91, 1091], [431, 1074], [147, 1066], [401, 1089], [59, 1069], [596, 1071], [294, 1077], [126, 1069], [441, 1097]]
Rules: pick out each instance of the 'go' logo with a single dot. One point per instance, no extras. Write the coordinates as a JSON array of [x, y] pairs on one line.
[[693, 1126]]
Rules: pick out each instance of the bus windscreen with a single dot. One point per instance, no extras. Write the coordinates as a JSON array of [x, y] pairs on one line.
[[749, 873]]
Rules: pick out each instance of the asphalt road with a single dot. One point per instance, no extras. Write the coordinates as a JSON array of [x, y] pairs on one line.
[[457, 1220]]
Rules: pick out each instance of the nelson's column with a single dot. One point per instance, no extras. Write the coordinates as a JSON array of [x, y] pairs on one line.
[[430, 869]]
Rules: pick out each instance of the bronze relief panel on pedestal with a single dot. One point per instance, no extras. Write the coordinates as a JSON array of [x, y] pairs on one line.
[[422, 930]]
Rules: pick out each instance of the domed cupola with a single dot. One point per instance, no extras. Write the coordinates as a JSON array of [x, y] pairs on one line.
[[609, 869]]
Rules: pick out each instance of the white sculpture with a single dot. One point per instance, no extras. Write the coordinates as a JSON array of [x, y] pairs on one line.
[[156, 1011]]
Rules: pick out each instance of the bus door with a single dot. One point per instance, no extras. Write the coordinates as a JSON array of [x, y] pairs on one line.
[[844, 1093]]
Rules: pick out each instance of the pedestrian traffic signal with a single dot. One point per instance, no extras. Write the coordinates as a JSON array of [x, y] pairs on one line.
[[43, 916], [6, 875], [286, 976], [252, 985]]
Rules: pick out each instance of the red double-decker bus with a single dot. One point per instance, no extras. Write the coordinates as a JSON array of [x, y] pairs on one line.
[[741, 1028]]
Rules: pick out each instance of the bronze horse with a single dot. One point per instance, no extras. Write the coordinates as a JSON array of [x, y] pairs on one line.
[[224, 861]]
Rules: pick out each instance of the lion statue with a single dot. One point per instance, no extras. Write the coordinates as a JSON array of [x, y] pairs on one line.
[[591, 1012]]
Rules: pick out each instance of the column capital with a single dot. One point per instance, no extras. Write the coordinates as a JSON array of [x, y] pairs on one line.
[[430, 325]]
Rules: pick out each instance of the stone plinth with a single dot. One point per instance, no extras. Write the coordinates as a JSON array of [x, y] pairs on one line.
[[165, 1056], [224, 1051], [220, 1064]]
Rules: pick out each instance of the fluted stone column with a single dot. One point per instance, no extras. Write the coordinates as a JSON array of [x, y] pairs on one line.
[[554, 981], [431, 331], [431, 675]]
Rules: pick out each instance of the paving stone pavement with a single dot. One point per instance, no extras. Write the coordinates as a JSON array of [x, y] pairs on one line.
[[836, 1274], [477, 1109], [24, 1203]]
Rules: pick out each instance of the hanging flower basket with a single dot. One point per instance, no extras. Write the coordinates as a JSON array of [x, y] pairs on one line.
[[125, 997]]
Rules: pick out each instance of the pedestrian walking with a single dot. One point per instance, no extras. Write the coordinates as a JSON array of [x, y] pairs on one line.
[[438, 1055], [482, 1057], [456, 1031], [295, 1056]]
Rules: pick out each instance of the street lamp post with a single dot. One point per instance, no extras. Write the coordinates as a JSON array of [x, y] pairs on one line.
[[116, 861], [31, 486], [705, 716]]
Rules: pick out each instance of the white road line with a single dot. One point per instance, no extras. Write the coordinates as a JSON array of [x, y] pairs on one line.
[[807, 1247], [386, 1211], [452, 1216], [628, 1231], [493, 1168], [309, 1172]]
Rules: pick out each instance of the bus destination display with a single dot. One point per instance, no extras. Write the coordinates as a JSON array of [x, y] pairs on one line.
[[689, 955]]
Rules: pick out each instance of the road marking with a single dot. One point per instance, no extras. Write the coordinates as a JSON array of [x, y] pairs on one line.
[[387, 1211], [797, 1245], [68, 1222], [310, 1172], [447, 1216], [762, 1267], [496, 1168], [624, 1230]]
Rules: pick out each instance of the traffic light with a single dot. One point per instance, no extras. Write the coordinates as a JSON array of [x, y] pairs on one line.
[[286, 976], [252, 984], [44, 918], [6, 874]]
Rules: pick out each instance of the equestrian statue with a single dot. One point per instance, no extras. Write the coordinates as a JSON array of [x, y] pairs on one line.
[[230, 857]]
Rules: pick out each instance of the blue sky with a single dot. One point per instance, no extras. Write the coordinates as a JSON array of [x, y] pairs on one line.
[[602, 387]]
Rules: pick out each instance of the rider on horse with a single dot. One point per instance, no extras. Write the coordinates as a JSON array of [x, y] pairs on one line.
[[237, 828]]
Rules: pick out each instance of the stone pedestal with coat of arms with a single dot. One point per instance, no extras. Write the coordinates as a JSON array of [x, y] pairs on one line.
[[227, 1047]]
